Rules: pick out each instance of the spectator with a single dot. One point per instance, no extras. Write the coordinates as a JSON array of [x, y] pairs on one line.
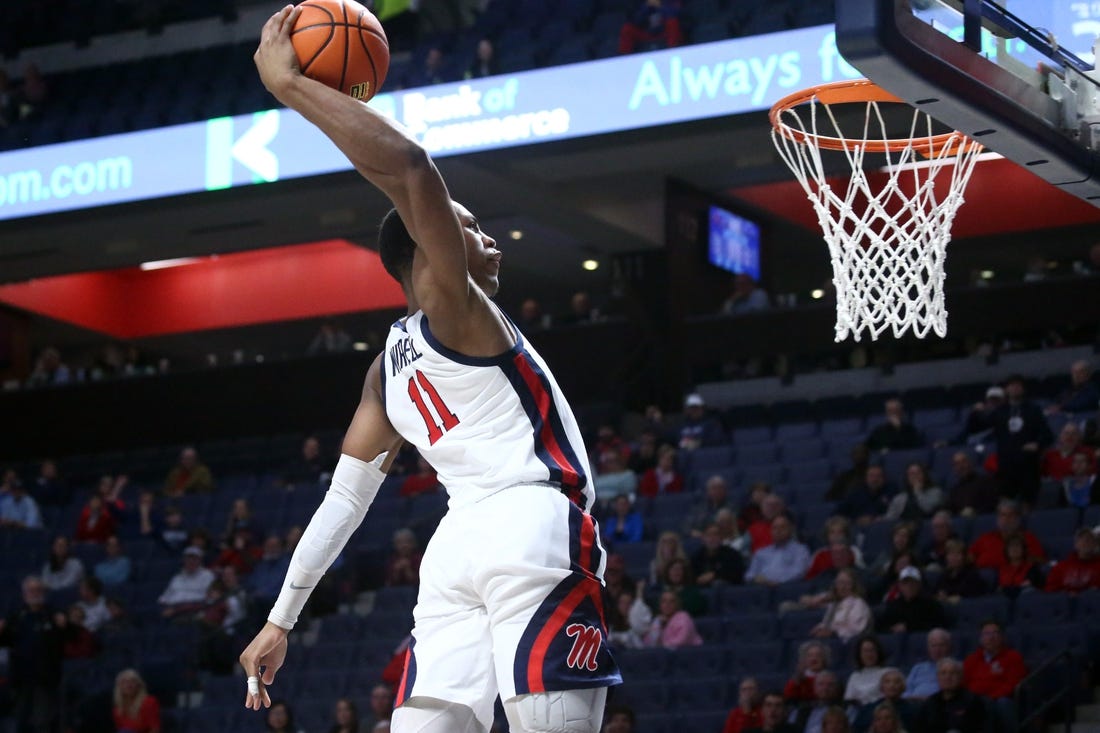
[[485, 64], [911, 610], [615, 578], [941, 531], [93, 604], [1080, 489], [903, 538], [620, 719], [280, 718], [614, 479], [134, 708], [677, 579], [293, 537], [240, 520], [266, 579], [704, 512], [330, 339], [1081, 568], [80, 642], [784, 560], [345, 717], [773, 716], [952, 708], [189, 476], [919, 497], [752, 510], [1021, 432], [847, 614], [716, 564], [1083, 394], [837, 556], [170, 532], [973, 492], [809, 715], [886, 719], [430, 71], [673, 627], [186, 592], [988, 549], [813, 659], [993, 670], [236, 600], [896, 433], [726, 522], [17, 508], [669, 548], [838, 535], [424, 481], [864, 683], [655, 421], [309, 467], [61, 570], [891, 690], [580, 311], [50, 489], [645, 453], [50, 370], [760, 531], [869, 501], [747, 297], [381, 702], [625, 522], [629, 620], [923, 679], [1018, 572], [35, 633], [655, 24], [1057, 461], [662, 478], [747, 714], [96, 523], [607, 439], [403, 565], [847, 480], [531, 318], [959, 579], [240, 552], [698, 430], [115, 568], [978, 419], [835, 720], [33, 93]]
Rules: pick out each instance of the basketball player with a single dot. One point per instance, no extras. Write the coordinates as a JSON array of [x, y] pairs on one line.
[[509, 598]]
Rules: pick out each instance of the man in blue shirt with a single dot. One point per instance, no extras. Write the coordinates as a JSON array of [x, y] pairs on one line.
[[18, 509], [784, 560], [922, 681]]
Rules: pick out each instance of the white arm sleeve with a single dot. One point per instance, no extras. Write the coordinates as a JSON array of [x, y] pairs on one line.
[[354, 486]]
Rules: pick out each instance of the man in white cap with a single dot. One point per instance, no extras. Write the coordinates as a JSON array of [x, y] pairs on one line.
[[977, 421], [698, 430], [912, 610], [187, 589]]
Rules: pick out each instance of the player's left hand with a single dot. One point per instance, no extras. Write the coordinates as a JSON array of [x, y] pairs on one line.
[[267, 650], [275, 58]]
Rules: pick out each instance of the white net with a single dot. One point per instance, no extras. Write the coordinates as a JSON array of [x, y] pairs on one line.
[[887, 242]]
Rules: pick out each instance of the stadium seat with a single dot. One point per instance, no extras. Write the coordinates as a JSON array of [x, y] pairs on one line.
[[710, 628], [708, 459], [750, 627], [797, 624], [801, 449], [746, 436], [699, 661], [756, 454], [703, 720], [643, 664], [743, 599], [797, 430], [969, 613], [772, 473], [1051, 523], [698, 693], [756, 658], [1042, 641], [1040, 608], [644, 697]]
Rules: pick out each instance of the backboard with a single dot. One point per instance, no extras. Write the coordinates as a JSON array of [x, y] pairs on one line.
[[1019, 79]]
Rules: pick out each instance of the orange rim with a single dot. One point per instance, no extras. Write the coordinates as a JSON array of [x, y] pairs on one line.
[[855, 92]]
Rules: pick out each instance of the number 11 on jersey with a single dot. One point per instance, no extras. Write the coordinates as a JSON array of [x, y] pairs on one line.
[[449, 419]]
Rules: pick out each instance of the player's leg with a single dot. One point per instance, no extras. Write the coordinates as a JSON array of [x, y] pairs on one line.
[[429, 715], [562, 711]]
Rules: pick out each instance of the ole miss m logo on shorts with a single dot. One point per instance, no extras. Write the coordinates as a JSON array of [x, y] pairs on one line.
[[586, 644]]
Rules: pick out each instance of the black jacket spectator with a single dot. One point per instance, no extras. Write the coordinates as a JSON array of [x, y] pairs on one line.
[[1021, 432], [897, 433], [921, 613], [963, 711], [716, 563]]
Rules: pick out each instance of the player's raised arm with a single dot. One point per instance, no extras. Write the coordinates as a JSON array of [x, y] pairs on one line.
[[366, 455], [380, 150]]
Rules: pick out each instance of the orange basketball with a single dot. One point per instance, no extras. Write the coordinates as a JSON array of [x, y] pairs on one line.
[[342, 45]]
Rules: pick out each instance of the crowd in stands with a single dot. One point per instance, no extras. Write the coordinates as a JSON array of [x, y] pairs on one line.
[[883, 594]]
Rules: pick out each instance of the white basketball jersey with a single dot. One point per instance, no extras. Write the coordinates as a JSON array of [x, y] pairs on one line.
[[483, 423]]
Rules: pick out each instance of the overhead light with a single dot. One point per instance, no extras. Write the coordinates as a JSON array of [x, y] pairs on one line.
[[516, 234], [590, 265], [987, 274], [1052, 265], [175, 262], [817, 293], [359, 346]]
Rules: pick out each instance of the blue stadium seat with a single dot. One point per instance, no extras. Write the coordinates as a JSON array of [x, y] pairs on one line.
[[756, 454], [1053, 522], [796, 431], [1042, 641], [703, 720], [698, 693], [756, 658], [797, 624], [797, 450], [637, 556], [932, 416], [643, 664], [743, 599], [1038, 608], [711, 30], [750, 627], [661, 722], [971, 612], [708, 459], [895, 462], [643, 697], [699, 661], [772, 473], [745, 436], [342, 626], [393, 599], [812, 471]]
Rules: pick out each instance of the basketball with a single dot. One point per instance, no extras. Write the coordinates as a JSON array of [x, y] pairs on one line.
[[342, 45]]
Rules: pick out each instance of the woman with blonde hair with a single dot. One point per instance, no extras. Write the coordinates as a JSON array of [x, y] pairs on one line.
[[669, 548], [135, 710], [847, 614]]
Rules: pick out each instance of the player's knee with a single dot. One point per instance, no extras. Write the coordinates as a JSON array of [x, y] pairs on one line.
[[428, 715], [566, 711]]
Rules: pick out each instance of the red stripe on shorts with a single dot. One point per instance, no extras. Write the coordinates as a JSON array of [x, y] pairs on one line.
[[569, 474], [549, 631], [400, 697]]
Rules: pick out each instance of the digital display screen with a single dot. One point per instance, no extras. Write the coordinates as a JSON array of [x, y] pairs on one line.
[[733, 242]]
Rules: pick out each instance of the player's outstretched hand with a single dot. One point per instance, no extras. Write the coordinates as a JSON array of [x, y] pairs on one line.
[[267, 650], [275, 58]]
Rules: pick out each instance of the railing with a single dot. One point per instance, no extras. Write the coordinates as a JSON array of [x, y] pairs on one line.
[[1049, 699]]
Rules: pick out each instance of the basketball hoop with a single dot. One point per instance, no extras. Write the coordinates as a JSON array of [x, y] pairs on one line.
[[888, 242]]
